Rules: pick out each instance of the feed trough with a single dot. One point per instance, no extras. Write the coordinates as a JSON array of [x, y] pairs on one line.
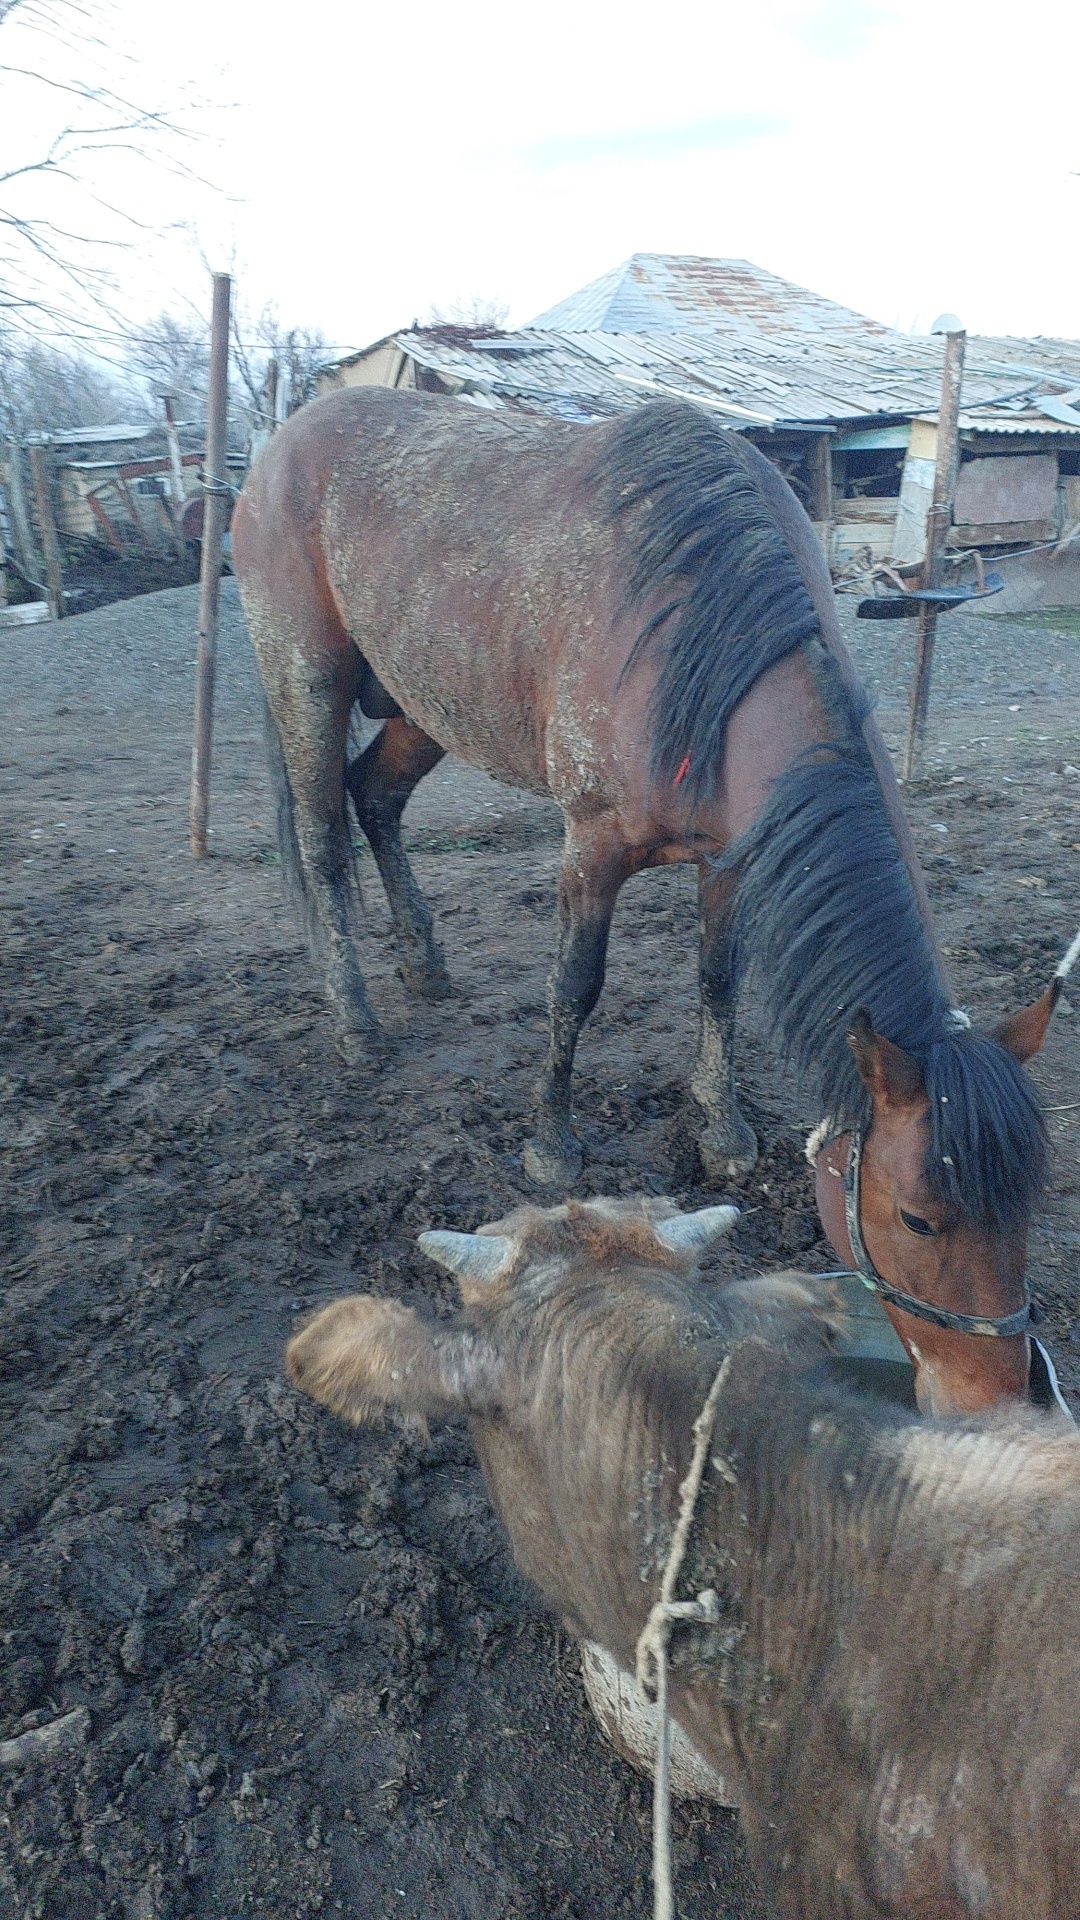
[[872, 1358]]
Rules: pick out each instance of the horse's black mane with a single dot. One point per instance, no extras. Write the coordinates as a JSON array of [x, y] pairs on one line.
[[826, 912], [825, 909], [706, 543]]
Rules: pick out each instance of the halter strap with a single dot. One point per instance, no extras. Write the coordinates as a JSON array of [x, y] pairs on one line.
[[1001, 1327]]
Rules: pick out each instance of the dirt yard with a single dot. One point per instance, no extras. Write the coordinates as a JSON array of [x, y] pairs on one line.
[[314, 1682]]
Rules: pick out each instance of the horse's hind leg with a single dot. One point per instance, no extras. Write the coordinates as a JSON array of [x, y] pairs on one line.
[[726, 1144], [380, 781], [309, 671], [595, 864]]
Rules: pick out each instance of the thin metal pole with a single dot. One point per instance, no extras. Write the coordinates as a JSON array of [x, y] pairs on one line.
[[50, 546], [215, 514], [938, 521]]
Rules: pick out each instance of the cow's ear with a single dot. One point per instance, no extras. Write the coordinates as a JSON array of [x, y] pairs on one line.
[[362, 1355]]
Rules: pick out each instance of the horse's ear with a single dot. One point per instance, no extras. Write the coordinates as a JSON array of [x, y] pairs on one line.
[[891, 1075], [1023, 1033]]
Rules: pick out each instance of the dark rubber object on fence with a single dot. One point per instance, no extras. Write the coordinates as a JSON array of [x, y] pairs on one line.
[[903, 606]]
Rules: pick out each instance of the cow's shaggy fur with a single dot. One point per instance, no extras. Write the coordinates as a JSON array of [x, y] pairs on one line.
[[892, 1689]]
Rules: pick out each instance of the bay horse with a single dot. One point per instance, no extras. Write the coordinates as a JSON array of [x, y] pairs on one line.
[[636, 618]]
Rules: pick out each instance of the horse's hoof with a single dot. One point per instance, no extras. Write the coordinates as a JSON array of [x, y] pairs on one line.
[[362, 1046], [728, 1152], [427, 983], [553, 1163]]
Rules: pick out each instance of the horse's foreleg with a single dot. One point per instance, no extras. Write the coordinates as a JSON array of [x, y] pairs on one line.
[[593, 869], [380, 781], [726, 1144]]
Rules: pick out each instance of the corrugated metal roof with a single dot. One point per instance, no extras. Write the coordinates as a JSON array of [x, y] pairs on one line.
[[986, 421], [751, 379], [102, 436], [1041, 355], [668, 292]]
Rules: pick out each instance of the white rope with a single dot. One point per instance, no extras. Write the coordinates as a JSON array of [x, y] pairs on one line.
[[826, 1130], [1068, 961], [652, 1646]]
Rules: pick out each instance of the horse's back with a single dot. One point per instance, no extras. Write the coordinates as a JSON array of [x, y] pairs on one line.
[[466, 554]]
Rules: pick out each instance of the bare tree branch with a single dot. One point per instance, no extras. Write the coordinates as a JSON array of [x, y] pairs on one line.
[[44, 252], [474, 311]]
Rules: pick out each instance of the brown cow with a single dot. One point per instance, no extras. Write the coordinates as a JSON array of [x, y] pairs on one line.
[[892, 1692]]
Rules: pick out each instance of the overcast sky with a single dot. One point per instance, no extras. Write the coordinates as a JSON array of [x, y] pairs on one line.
[[903, 159]]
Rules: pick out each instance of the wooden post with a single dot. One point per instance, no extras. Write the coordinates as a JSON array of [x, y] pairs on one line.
[[938, 522], [268, 402], [54, 583], [819, 479], [176, 465], [215, 516], [283, 396], [176, 477], [270, 393], [25, 552]]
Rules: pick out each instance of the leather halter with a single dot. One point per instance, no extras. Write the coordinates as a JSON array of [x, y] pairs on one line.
[[1001, 1327]]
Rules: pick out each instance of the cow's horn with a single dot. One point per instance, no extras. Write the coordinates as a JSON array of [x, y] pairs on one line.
[[694, 1232], [472, 1256]]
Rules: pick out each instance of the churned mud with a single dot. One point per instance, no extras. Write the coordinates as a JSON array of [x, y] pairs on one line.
[[302, 1674]]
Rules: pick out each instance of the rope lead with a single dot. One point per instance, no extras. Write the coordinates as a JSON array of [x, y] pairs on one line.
[[652, 1646]]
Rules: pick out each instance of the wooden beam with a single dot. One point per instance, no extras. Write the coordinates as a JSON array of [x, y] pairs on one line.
[[106, 525], [54, 579], [819, 504], [138, 531], [938, 520], [1000, 533], [215, 518]]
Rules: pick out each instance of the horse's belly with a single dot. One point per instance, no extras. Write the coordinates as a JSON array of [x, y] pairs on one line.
[[478, 708]]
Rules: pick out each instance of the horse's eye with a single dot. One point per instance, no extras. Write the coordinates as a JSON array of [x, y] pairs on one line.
[[915, 1223]]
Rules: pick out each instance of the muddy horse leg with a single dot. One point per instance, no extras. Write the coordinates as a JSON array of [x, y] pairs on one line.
[[594, 867], [310, 670], [380, 781], [726, 1144]]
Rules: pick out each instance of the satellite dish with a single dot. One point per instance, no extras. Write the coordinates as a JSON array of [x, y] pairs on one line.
[[947, 323]]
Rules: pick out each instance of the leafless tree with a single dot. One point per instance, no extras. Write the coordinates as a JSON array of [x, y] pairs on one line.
[[473, 311], [296, 354], [170, 354], [61, 234], [43, 389]]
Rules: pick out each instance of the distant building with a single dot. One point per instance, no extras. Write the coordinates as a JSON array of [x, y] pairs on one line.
[[112, 490], [845, 406]]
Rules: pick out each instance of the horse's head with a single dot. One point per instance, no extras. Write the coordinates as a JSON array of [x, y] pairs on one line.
[[934, 1201]]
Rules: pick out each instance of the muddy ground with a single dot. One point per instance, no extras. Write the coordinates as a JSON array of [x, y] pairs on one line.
[[314, 1682]]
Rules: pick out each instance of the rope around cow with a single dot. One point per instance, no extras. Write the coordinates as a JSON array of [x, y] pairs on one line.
[[652, 1646]]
